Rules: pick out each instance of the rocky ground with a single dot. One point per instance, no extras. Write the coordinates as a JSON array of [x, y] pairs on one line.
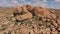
[[34, 25]]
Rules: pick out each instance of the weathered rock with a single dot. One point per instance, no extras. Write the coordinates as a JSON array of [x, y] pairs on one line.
[[47, 30], [12, 32], [53, 16], [58, 20], [40, 11], [25, 13], [59, 29], [53, 29], [52, 11], [29, 8], [40, 23], [23, 17], [17, 9], [55, 24]]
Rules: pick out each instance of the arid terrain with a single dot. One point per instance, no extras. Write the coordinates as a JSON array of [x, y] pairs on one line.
[[27, 19]]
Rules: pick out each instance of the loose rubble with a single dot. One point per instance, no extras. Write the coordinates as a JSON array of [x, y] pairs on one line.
[[20, 20]]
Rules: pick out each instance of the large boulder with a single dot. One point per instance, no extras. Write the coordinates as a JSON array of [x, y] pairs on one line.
[[17, 10], [23, 17], [40, 11], [26, 14]]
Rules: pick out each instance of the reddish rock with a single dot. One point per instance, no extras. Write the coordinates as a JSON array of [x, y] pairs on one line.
[[40, 11]]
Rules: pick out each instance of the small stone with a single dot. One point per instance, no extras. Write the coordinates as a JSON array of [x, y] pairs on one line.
[[52, 11], [13, 32], [53, 29], [48, 20], [59, 29], [58, 21], [13, 19], [55, 24], [44, 19]]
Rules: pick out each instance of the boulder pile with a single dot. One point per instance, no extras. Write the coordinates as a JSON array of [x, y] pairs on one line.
[[27, 11], [27, 19]]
